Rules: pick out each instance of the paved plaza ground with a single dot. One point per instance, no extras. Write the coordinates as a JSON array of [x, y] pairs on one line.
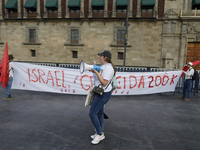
[[49, 121]]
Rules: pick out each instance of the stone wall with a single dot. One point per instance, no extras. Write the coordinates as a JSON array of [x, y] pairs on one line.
[[149, 40], [144, 40]]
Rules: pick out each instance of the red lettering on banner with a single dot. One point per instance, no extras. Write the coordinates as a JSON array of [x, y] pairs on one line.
[[91, 77], [34, 75], [165, 76], [49, 74], [118, 87], [124, 82], [29, 76], [130, 81], [75, 79], [81, 80], [156, 80], [141, 82], [173, 77], [57, 78], [63, 80], [150, 86], [40, 75]]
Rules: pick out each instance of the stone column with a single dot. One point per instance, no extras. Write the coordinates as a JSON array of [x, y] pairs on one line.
[[90, 9], [185, 5], [45, 10], [67, 9], [155, 12], [38, 9], [59, 9], [82, 9], [0, 34], [106, 8], [25, 10], [168, 62], [114, 8], [19, 8], [1, 12], [130, 13], [189, 4], [6, 10], [182, 52], [138, 8]]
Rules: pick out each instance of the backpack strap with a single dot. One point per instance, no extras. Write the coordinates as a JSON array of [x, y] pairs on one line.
[[109, 83]]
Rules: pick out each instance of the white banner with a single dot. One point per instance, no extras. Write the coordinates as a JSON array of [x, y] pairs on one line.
[[70, 81]]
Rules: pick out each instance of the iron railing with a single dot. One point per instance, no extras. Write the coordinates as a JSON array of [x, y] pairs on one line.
[[189, 13], [88, 14]]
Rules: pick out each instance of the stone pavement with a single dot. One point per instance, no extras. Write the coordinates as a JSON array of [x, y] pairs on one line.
[[48, 121]]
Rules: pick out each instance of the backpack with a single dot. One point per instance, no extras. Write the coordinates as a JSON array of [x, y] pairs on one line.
[[114, 83], [195, 75]]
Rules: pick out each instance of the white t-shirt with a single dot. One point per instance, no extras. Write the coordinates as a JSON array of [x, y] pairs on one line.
[[107, 73], [189, 73], [11, 69]]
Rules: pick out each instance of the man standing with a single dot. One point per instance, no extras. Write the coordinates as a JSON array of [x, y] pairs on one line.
[[188, 80], [9, 83]]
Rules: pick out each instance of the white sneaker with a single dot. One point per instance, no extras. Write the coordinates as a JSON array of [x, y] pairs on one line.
[[98, 138], [93, 136]]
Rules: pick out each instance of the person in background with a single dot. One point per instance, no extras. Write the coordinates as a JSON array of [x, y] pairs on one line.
[[9, 83], [188, 80]]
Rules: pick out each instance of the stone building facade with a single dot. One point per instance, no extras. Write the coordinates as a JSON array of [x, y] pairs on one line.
[[162, 33]]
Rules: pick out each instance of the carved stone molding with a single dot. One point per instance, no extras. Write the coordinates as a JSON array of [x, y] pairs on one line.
[[171, 13], [184, 27], [197, 27], [198, 38], [166, 27], [169, 27], [189, 28], [173, 27]]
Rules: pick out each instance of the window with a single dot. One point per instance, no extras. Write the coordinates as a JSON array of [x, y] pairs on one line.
[[52, 12], [74, 36], [33, 54], [147, 11], [196, 6], [120, 36], [98, 11], [12, 13], [12, 10], [32, 35], [120, 56], [74, 12], [121, 11], [31, 12], [74, 54]]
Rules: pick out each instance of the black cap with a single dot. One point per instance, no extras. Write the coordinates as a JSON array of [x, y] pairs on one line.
[[105, 53], [10, 56]]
